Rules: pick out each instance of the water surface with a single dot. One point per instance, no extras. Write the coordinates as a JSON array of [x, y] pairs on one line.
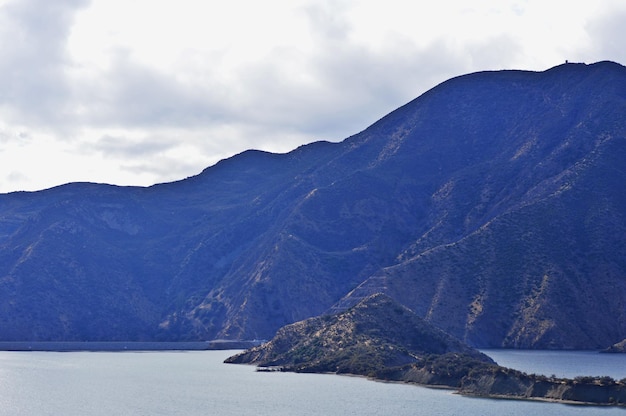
[[567, 364], [198, 383]]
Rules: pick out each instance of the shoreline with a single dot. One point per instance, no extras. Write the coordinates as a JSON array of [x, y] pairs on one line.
[[453, 390], [456, 390], [535, 399]]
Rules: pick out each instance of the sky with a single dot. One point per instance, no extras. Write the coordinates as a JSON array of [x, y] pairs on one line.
[[137, 92]]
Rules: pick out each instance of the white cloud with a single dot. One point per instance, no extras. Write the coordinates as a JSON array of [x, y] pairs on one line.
[[153, 90], [32, 58], [607, 34]]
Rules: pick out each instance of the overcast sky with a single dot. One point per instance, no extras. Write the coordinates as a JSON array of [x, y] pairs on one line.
[[136, 92]]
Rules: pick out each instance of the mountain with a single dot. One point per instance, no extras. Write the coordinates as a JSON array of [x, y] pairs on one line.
[[492, 206], [527, 246]]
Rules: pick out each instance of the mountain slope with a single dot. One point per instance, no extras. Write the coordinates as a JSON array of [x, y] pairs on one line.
[[492, 205], [538, 256]]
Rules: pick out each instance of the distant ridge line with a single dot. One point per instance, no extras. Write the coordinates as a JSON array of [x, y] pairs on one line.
[[126, 346]]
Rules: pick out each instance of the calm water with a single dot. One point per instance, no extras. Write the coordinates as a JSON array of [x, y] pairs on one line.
[[198, 383], [562, 364]]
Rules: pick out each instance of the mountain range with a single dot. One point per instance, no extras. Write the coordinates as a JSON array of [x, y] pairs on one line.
[[493, 206]]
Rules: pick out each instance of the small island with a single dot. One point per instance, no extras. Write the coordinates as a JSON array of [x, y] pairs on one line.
[[381, 339]]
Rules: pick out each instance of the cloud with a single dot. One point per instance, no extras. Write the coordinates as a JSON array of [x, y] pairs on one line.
[[326, 88], [328, 19], [118, 94], [607, 33], [33, 59], [132, 95], [340, 85], [126, 147], [9, 135], [160, 124]]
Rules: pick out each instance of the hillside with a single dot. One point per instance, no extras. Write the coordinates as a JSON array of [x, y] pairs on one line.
[[376, 333], [492, 206], [384, 340]]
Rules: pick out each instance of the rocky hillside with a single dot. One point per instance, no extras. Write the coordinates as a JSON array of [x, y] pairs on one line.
[[618, 347], [526, 242], [377, 333], [492, 206], [382, 339]]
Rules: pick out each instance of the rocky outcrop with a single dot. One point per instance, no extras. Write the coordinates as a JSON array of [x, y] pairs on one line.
[[376, 334], [618, 347]]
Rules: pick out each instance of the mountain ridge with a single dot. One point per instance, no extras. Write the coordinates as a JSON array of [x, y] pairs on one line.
[[458, 204]]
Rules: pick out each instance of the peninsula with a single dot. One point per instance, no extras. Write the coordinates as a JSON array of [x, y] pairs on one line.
[[381, 339]]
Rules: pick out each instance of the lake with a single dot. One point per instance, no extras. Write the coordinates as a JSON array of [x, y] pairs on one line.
[[198, 383]]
